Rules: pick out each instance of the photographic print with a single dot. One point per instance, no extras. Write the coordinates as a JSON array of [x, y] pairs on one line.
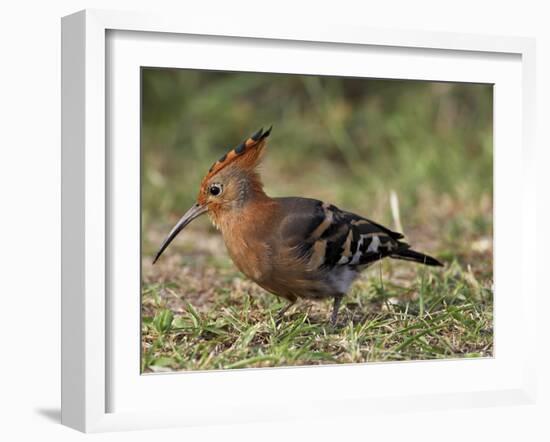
[[297, 220]]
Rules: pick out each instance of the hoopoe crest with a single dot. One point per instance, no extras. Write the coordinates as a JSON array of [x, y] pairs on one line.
[[292, 247]]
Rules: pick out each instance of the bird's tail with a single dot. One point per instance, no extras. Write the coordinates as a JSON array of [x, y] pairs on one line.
[[413, 255]]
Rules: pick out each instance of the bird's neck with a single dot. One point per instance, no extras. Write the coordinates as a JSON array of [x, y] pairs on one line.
[[245, 231], [245, 215]]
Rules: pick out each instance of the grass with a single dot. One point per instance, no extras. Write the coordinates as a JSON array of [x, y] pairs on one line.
[[199, 313], [378, 322], [350, 142]]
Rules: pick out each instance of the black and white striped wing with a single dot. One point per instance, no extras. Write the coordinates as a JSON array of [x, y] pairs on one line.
[[328, 237]]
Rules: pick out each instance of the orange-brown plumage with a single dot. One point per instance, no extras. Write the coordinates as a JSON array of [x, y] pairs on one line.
[[292, 247]]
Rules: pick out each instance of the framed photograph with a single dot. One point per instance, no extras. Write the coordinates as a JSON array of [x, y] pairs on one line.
[[261, 222]]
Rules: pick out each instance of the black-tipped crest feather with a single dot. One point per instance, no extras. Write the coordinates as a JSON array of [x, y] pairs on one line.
[[256, 136]]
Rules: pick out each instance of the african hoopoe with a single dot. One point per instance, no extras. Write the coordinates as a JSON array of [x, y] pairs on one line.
[[292, 247]]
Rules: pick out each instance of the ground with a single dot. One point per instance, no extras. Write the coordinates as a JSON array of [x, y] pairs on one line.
[[200, 313]]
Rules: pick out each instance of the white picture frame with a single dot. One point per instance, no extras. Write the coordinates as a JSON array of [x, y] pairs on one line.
[[94, 365]]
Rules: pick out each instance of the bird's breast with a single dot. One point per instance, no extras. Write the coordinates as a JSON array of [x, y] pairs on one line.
[[248, 237], [252, 257]]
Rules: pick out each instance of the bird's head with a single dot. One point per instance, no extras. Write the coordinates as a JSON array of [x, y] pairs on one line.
[[230, 183]]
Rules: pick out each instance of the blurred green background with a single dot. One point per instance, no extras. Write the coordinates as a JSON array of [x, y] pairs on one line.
[[349, 141]]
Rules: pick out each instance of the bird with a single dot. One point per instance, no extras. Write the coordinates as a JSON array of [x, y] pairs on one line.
[[292, 247]]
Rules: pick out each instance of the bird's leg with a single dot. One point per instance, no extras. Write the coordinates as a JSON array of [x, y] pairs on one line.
[[284, 309], [335, 308]]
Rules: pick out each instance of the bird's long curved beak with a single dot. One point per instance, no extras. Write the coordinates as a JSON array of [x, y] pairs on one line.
[[195, 211]]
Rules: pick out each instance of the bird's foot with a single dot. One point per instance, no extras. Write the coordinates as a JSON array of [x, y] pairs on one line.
[[280, 316], [335, 308]]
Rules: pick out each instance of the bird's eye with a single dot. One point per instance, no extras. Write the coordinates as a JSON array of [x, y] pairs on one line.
[[215, 189]]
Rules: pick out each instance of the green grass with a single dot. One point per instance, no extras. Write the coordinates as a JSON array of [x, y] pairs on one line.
[[438, 314], [352, 143], [199, 313]]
